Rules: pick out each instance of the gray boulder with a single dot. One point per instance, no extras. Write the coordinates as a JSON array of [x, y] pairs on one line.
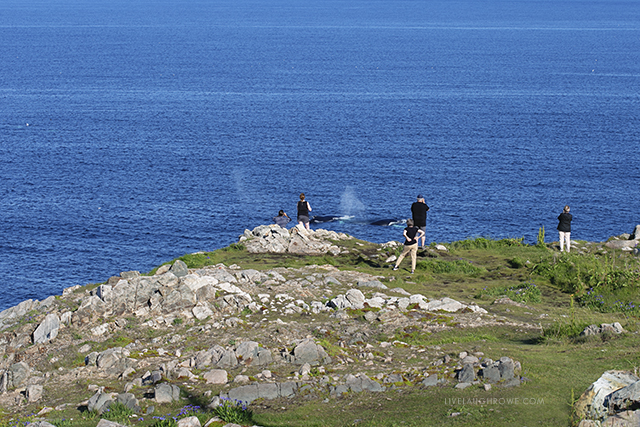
[[227, 359], [129, 400], [340, 302], [107, 423], [590, 330], [251, 354], [356, 298], [129, 275], [166, 393], [287, 389], [179, 268], [189, 422], [303, 245], [307, 351], [623, 398], [34, 393], [19, 310], [490, 373], [268, 390], [371, 284], [506, 368], [41, 424], [591, 403], [245, 393], [612, 328], [621, 244], [430, 381], [216, 376], [18, 374], [99, 402], [363, 383], [467, 374], [178, 298], [108, 358], [47, 330], [91, 359], [444, 304], [4, 382]]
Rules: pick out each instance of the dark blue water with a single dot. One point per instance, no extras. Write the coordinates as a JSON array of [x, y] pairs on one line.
[[135, 132]]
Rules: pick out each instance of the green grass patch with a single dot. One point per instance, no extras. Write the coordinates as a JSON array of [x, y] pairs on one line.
[[524, 293], [486, 243], [573, 273], [437, 266], [117, 412]]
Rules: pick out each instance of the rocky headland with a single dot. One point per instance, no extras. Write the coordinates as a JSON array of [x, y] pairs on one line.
[[221, 332]]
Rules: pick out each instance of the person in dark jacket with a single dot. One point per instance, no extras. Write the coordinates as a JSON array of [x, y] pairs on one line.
[[282, 219], [564, 228], [419, 213], [411, 235], [303, 211]]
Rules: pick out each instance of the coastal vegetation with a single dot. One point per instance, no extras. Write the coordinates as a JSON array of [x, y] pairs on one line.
[[541, 301]]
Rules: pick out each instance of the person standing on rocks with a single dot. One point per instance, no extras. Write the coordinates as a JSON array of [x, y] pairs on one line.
[[282, 219], [419, 213], [564, 228], [411, 235], [303, 211]]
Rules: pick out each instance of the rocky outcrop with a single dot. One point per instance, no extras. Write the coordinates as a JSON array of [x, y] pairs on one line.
[[625, 242], [603, 399], [247, 334], [605, 328], [298, 240], [307, 351]]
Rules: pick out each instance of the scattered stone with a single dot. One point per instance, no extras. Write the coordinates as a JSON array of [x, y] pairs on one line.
[[610, 328], [41, 424], [34, 393], [18, 374], [621, 244], [179, 268], [99, 402], [189, 422], [129, 400], [166, 393], [216, 376], [307, 351], [467, 374], [430, 381], [47, 330], [107, 423], [372, 284]]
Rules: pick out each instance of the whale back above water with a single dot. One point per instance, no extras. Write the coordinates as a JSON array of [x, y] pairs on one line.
[[387, 222]]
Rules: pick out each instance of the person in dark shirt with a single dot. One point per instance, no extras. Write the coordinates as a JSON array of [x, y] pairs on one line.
[[303, 211], [282, 219], [419, 213], [411, 235], [564, 228]]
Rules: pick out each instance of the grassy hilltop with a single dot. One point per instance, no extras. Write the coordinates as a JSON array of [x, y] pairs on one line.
[[552, 297]]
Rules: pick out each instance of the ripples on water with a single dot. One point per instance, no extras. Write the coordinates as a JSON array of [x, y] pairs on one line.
[[154, 131]]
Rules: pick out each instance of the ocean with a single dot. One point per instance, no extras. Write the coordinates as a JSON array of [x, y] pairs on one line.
[[135, 132]]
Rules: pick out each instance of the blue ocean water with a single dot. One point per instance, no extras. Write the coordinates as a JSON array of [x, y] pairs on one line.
[[135, 132]]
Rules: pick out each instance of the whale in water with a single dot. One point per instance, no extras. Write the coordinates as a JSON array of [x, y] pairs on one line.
[[319, 219], [386, 222]]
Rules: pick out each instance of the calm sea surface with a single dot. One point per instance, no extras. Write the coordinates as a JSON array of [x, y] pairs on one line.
[[133, 132]]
